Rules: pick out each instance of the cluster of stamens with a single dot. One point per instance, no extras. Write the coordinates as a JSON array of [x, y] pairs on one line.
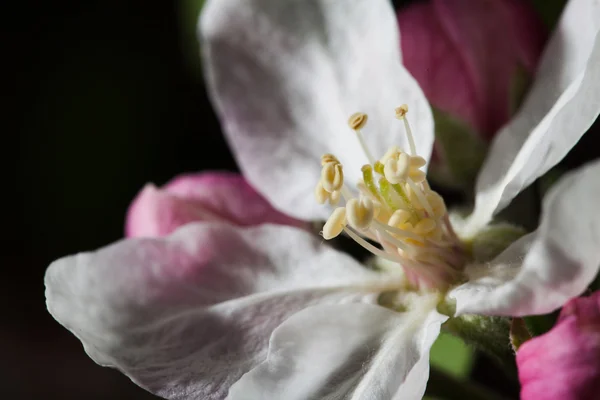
[[396, 215]]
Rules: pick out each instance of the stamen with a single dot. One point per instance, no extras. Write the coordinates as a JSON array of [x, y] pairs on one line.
[[402, 193], [401, 114], [367, 172], [327, 158], [390, 199], [397, 243], [360, 213], [332, 176], [398, 211], [396, 169], [322, 195], [368, 246], [356, 122], [422, 199], [335, 224], [425, 226], [334, 198]]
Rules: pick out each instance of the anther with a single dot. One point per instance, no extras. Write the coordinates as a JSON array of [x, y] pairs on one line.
[[357, 121], [322, 195], [399, 218], [417, 162], [327, 158], [334, 197], [396, 169], [335, 224], [417, 175], [401, 111], [425, 226], [360, 213], [332, 176], [401, 114]]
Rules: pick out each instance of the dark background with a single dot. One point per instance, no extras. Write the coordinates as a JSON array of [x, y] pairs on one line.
[[100, 98]]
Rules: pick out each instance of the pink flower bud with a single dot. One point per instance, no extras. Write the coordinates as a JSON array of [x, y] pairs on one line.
[[209, 197], [468, 54], [564, 363]]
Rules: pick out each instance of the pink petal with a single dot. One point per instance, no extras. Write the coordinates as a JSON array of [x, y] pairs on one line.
[[564, 364], [466, 53], [208, 196]]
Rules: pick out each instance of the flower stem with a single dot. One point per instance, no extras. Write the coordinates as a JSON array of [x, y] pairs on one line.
[[444, 386]]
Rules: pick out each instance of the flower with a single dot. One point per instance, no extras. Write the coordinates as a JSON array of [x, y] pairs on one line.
[[271, 312], [207, 196], [564, 363]]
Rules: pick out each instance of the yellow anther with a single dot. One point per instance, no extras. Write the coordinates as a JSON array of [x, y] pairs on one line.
[[437, 204], [417, 162], [327, 158], [360, 213], [412, 197], [322, 195], [357, 120], [332, 176], [399, 218], [391, 153], [401, 111], [334, 197], [414, 242], [417, 175], [376, 208], [397, 169], [425, 226], [335, 224]]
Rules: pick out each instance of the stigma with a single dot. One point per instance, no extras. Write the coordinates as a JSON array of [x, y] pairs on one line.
[[392, 211]]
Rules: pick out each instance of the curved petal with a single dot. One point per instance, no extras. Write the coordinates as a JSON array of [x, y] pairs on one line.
[[351, 351], [542, 271], [564, 363], [186, 315], [562, 104], [206, 196], [286, 75]]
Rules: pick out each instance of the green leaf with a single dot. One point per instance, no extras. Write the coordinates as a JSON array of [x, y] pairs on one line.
[[452, 355]]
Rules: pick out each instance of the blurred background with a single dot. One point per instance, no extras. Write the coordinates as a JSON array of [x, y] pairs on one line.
[[102, 98]]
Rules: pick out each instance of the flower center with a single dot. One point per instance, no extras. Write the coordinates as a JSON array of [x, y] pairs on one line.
[[396, 215]]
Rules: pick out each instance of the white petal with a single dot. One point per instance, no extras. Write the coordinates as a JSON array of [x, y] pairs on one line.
[[185, 316], [539, 273], [352, 351], [562, 104], [285, 76]]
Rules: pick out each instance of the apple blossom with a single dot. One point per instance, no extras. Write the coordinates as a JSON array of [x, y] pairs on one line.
[[214, 310]]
